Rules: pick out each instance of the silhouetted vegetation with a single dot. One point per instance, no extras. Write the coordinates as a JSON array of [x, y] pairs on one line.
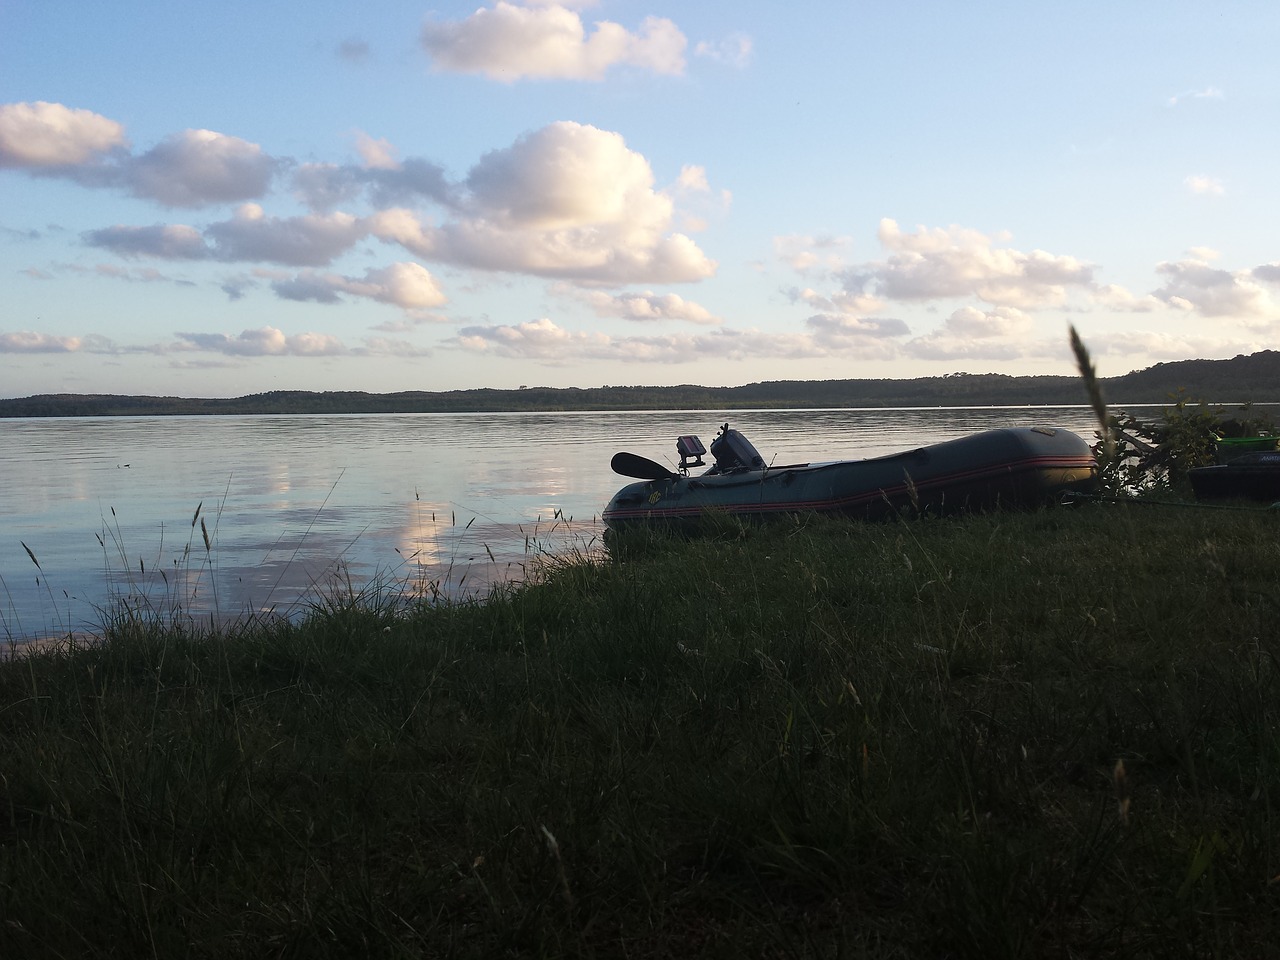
[[1255, 377]]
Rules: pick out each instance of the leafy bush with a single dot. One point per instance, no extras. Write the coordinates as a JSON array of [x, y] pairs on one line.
[[1148, 456]]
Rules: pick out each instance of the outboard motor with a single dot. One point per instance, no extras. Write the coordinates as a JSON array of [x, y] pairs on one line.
[[734, 452]]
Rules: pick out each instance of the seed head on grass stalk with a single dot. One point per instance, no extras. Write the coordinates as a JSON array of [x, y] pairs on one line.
[[1121, 781], [1094, 389]]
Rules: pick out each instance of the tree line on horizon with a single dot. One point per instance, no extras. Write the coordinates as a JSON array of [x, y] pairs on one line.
[[1254, 378]]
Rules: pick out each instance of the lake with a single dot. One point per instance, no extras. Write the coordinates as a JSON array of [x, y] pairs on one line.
[[216, 517]]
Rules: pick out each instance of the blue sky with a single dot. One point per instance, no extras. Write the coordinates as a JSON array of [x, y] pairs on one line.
[[223, 199]]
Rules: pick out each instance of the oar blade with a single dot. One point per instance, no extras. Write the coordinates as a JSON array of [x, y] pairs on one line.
[[642, 468]]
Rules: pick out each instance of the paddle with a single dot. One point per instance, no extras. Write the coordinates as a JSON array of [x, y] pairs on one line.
[[642, 468]]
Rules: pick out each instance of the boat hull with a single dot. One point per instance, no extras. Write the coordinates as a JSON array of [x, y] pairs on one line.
[[1254, 476], [1016, 467]]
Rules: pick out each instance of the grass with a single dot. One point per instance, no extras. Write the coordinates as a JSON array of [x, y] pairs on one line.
[[1050, 734]]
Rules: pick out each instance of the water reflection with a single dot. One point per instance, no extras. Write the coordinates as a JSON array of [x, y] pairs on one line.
[[448, 503]]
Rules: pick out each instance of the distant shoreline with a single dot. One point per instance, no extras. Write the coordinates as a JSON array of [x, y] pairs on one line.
[[1245, 379]]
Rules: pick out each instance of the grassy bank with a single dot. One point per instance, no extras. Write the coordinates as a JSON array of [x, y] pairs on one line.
[[1033, 735]]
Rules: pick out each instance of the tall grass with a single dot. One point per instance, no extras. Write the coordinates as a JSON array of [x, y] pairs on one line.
[[186, 585], [808, 739]]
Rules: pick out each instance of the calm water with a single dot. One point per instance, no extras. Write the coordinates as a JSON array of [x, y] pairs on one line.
[[294, 506]]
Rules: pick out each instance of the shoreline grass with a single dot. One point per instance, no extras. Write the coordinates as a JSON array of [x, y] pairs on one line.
[[1012, 735]]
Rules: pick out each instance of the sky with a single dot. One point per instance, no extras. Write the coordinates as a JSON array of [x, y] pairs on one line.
[[229, 198]]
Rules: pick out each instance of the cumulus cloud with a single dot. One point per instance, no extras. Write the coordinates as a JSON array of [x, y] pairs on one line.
[[406, 285], [308, 241], [566, 201], [508, 42], [194, 168], [50, 135], [200, 167], [1194, 285], [937, 264], [564, 175]]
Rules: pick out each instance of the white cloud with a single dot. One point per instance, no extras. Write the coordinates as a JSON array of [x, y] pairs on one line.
[[1193, 285], [982, 325], [29, 341], [199, 167], [264, 342], [402, 226], [693, 178], [508, 42], [807, 254], [841, 331], [939, 264], [1208, 93], [1158, 346], [734, 50], [944, 345], [1116, 297], [644, 306], [405, 285], [567, 175], [1201, 184], [377, 154], [566, 201], [842, 302], [545, 341], [969, 333], [42, 134]]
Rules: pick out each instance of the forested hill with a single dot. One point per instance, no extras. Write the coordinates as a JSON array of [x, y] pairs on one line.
[[1254, 378]]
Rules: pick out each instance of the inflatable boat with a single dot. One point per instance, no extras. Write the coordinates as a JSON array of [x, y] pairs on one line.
[[1253, 476], [1015, 467]]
